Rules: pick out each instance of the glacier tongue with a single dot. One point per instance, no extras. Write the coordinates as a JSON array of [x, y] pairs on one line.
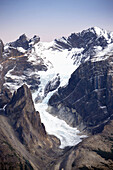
[[57, 61], [54, 126]]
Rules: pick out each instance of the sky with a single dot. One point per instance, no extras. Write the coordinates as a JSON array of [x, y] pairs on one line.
[[52, 19]]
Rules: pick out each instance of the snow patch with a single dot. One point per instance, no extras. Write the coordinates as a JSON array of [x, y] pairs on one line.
[[103, 54], [21, 49], [101, 32], [1, 67]]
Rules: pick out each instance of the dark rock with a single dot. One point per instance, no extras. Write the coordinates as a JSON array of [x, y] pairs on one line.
[[85, 39], [5, 97], [34, 40], [13, 65], [1, 48], [24, 118], [88, 96], [95, 152], [52, 85], [62, 44], [24, 143], [9, 157], [23, 42], [88, 41]]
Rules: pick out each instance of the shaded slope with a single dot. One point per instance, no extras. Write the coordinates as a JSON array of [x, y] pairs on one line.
[[94, 153], [24, 141], [87, 99]]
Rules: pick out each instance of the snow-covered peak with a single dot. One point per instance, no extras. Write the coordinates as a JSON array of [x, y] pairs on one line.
[[93, 36], [96, 30], [100, 32]]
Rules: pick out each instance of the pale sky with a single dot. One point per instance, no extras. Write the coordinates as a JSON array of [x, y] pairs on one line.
[[52, 19]]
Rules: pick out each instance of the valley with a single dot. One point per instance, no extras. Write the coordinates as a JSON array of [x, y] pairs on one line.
[[56, 102]]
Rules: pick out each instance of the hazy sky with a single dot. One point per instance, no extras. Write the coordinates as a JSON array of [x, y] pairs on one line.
[[52, 19]]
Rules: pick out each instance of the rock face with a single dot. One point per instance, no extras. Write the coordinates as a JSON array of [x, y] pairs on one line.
[[23, 42], [86, 102], [34, 40], [12, 75], [89, 42], [24, 143], [87, 38], [88, 97], [52, 85], [24, 117], [95, 152], [12, 52], [5, 97], [1, 48]]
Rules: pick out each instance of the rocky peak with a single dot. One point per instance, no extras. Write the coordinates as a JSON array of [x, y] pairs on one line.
[[22, 41], [89, 38], [22, 98], [24, 118], [34, 40], [23, 38], [1, 48]]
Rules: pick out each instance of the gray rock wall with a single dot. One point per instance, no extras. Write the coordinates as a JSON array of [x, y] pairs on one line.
[[87, 100], [1, 48]]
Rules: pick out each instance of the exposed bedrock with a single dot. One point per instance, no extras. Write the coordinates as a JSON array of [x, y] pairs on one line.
[[87, 100]]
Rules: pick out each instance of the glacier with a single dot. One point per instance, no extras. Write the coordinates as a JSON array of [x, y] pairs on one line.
[[63, 62]]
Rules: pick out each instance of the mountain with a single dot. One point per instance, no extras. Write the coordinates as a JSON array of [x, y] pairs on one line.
[[69, 80], [23, 138], [87, 100], [57, 56], [1, 48], [91, 37], [24, 42], [94, 153]]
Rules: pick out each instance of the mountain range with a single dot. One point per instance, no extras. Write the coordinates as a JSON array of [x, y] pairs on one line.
[[56, 102]]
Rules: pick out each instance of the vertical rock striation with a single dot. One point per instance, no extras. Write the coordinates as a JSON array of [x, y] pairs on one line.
[[87, 100]]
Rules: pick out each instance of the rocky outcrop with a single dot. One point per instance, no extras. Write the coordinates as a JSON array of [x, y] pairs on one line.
[[1, 48], [5, 97], [89, 43], [52, 85], [23, 42], [86, 102], [88, 97], [94, 153], [10, 156], [34, 40], [86, 39], [12, 75], [24, 118], [12, 52], [24, 142], [29, 147]]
